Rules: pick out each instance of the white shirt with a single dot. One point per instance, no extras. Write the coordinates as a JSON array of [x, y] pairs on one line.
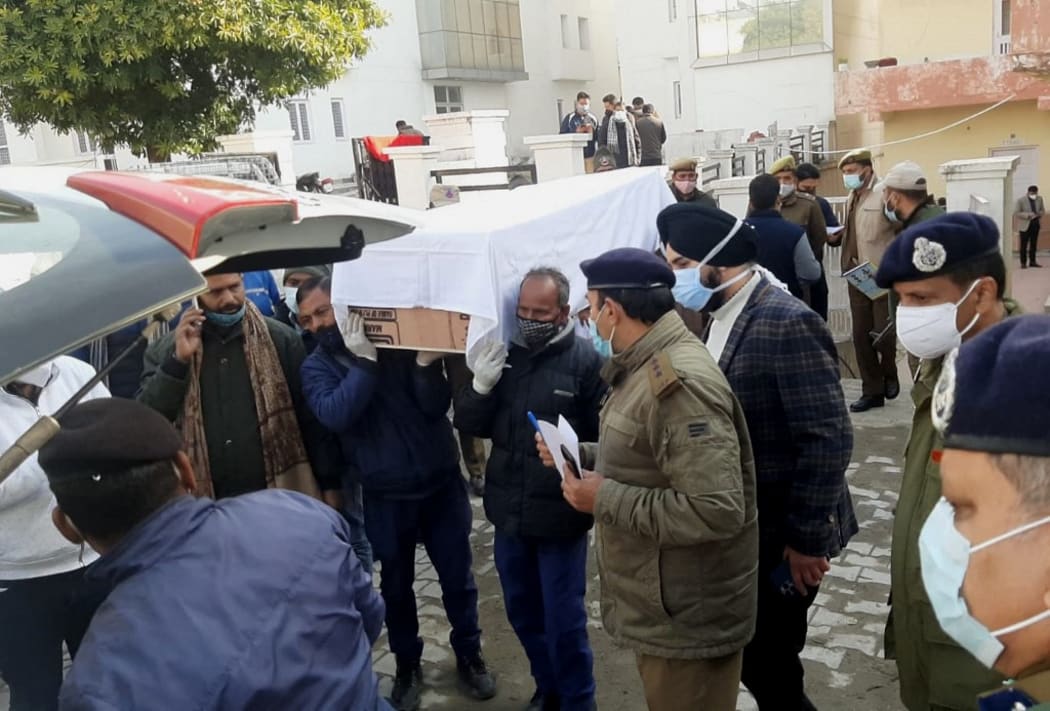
[[723, 319], [30, 545]]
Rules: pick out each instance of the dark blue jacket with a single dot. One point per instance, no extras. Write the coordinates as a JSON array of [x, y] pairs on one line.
[[829, 213], [777, 239], [253, 602], [391, 416], [522, 496]]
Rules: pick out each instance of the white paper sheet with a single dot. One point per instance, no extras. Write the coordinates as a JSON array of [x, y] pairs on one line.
[[556, 436], [470, 257]]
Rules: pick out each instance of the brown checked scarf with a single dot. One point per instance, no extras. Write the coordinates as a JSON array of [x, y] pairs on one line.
[[287, 466]]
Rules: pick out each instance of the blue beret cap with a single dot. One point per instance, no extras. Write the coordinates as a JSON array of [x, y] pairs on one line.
[[627, 268], [108, 435], [936, 247], [987, 399], [694, 230]]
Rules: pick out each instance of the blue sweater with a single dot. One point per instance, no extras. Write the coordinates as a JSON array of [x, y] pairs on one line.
[[391, 418], [254, 602]]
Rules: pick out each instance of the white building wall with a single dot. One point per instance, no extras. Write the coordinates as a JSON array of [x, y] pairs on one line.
[[719, 103]]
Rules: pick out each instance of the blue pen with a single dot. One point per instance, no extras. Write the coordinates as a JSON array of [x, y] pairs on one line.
[[534, 421]]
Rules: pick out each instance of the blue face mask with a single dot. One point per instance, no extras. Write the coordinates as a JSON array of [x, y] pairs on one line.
[[944, 554], [852, 182], [689, 290], [602, 345], [226, 320]]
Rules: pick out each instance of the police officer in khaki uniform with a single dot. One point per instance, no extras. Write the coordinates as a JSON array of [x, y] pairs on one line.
[[865, 238], [672, 492], [950, 279], [905, 196], [684, 181], [985, 561], [803, 210]]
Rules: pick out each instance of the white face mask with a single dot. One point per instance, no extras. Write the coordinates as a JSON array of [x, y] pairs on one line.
[[686, 187], [620, 115], [930, 331], [787, 191], [290, 292]]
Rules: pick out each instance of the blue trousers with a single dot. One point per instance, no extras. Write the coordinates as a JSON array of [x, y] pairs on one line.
[[544, 583], [354, 513], [442, 522]]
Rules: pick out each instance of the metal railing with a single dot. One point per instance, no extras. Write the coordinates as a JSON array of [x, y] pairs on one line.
[[738, 166], [760, 162], [710, 172], [819, 143], [797, 144], [527, 168], [840, 321], [256, 167]]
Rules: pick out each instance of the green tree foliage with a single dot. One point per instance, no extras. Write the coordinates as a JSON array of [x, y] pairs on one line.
[[164, 76], [783, 24]]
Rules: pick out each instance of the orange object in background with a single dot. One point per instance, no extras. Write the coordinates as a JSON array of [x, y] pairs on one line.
[[377, 145], [188, 211]]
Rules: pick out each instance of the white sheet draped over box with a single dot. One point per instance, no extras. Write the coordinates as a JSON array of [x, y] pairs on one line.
[[470, 258]]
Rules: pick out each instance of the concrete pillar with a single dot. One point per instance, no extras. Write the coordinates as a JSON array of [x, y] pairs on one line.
[[750, 153], [783, 141], [724, 158], [972, 181], [412, 167], [807, 143], [559, 155], [767, 147], [731, 194], [279, 142]]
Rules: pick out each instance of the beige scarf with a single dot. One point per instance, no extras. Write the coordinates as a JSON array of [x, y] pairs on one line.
[[284, 455]]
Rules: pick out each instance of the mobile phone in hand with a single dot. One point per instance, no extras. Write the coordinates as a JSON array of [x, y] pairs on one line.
[[782, 580], [571, 461]]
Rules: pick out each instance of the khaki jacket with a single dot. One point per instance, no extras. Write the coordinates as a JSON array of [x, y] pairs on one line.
[[868, 233], [676, 521], [934, 670], [804, 210]]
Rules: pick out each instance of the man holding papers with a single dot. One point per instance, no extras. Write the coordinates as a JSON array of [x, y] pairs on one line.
[[540, 543], [672, 492]]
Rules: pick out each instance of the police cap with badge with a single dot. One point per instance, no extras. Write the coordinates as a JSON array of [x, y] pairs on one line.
[[627, 268], [108, 436], [986, 399], [936, 247]]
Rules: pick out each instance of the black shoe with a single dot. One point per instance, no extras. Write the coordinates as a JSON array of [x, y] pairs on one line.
[[1036, 266], [544, 702], [1024, 266], [475, 676], [477, 485], [893, 389], [867, 402], [408, 686]]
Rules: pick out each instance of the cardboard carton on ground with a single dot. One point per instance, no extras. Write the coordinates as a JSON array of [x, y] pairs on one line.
[[416, 329]]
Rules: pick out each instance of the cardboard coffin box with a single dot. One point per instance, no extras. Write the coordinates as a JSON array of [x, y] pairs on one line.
[[416, 329]]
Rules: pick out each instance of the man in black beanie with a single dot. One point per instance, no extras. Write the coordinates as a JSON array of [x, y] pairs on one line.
[[781, 362], [232, 604]]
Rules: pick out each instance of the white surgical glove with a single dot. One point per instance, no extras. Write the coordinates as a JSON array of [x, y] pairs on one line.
[[427, 358], [356, 341], [489, 367]]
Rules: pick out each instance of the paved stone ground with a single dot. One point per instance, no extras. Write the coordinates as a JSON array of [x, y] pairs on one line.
[[843, 658]]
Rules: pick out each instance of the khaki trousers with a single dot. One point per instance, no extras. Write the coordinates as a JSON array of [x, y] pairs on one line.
[[691, 684], [588, 165], [877, 363]]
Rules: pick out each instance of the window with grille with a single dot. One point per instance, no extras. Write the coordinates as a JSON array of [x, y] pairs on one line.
[[448, 99], [5, 151], [338, 122], [83, 143], [299, 120]]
